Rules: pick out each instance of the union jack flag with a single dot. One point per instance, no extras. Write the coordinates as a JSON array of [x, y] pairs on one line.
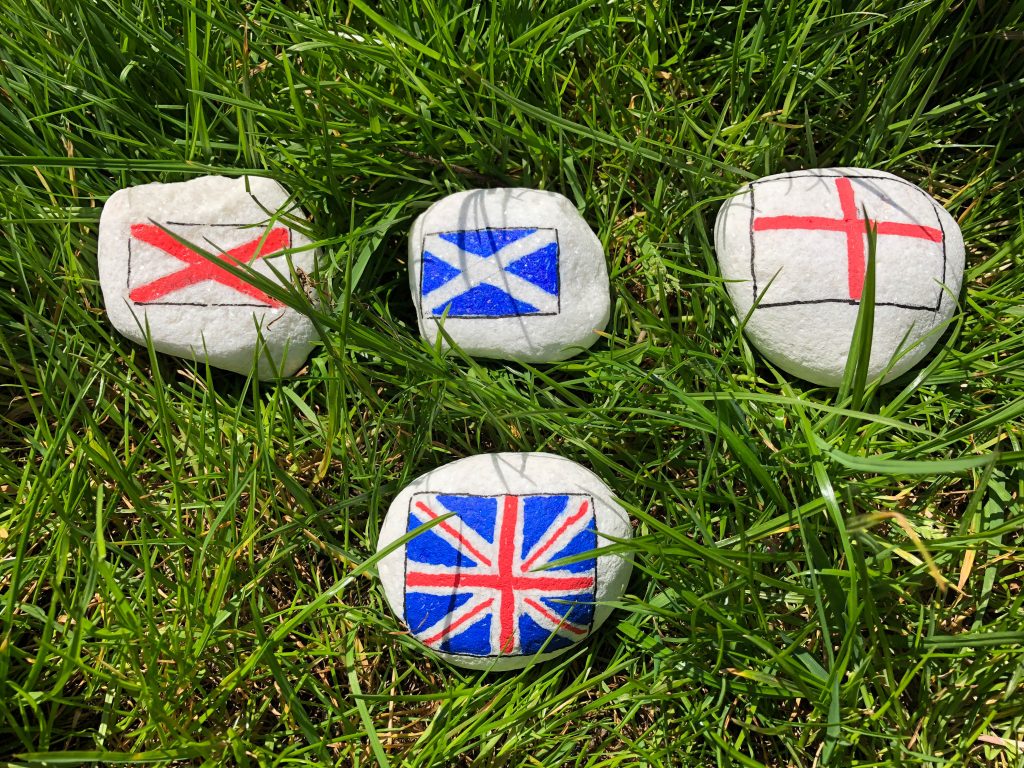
[[477, 583]]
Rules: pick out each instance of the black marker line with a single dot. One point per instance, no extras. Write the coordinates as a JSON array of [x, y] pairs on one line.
[[942, 285], [244, 225], [753, 274], [198, 304], [850, 302]]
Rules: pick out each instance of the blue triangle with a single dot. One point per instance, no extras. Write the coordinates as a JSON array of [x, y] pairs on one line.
[[539, 267], [436, 272], [485, 242], [484, 301], [429, 547], [579, 609], [584, 541], [478, 512], [533, 637], [473, 640], [423, 610], [538, 514]]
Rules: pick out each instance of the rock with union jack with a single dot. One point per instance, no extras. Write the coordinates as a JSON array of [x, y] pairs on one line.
[[503, 564]]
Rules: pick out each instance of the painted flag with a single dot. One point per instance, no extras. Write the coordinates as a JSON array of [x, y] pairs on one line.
[[490, 273], [477, 583], [829, 228], [163, 270]]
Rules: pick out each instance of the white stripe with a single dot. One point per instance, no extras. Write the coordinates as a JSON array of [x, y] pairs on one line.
[[537, 593], [547, 624], [431, 569]]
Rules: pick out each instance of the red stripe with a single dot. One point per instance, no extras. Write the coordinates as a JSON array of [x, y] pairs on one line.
[[451, 627], [854, 227], [200, 268], [798, 222], [453, 533], [909, 230], [900, 229], [506, 556], [547, 544], [855, 231], [492, 581], [560, 620]]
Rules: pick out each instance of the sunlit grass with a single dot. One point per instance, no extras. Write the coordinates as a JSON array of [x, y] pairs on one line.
[[823, 577]]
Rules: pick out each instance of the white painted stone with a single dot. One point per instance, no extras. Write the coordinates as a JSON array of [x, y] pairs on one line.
[[808, 280], [456, 606], [525, 280], [192, 308]]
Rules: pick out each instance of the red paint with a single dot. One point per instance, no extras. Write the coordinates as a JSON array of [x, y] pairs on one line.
[[562, 529], [506, 578], [453, 533], [498, 581], [506, 581], [200, 268], [558, 620], [447, 630], [855, 229]]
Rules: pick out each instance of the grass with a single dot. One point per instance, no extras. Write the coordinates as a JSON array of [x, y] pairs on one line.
[[823, 577]]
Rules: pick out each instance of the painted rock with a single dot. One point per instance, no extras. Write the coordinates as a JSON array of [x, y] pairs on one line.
[[796, 244], [512, 274], [486, 587], [155, 277]]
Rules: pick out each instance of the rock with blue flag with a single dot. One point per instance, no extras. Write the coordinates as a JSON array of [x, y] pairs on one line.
[[509, 274], [503, 560]]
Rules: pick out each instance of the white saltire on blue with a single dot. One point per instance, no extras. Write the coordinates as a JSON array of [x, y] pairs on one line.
[[505, 273]]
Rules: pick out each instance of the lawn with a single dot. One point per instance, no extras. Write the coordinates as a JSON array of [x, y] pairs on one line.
[[823, 576]]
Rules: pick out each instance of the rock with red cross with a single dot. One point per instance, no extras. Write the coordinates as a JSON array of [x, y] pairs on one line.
[[794, 248], [501, 563], [182, 263]]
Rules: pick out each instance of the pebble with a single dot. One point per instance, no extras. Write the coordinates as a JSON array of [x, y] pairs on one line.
[[474, 587], [512, 274], [191, 307], [800, 240]]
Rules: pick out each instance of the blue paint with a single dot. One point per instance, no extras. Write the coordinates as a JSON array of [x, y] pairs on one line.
[[459, 611], [584, 541], [485, 242], [538, 512], [539, 267], [474, 640], [436, 273], [478, 512], [484, 300], [422, 611], [571, 607], [533, 637], [430, 548], [502, 293]]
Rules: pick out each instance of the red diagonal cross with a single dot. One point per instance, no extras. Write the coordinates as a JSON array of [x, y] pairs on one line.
[[855, 229], [200, 268], [506, 581]]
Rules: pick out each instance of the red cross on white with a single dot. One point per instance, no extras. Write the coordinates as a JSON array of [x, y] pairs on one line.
[[854, 227], [198, 268]]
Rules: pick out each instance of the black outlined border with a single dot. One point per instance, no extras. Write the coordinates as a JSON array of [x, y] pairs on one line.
[[405, 567], [851, 302], [167, 224], [428, 315]]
